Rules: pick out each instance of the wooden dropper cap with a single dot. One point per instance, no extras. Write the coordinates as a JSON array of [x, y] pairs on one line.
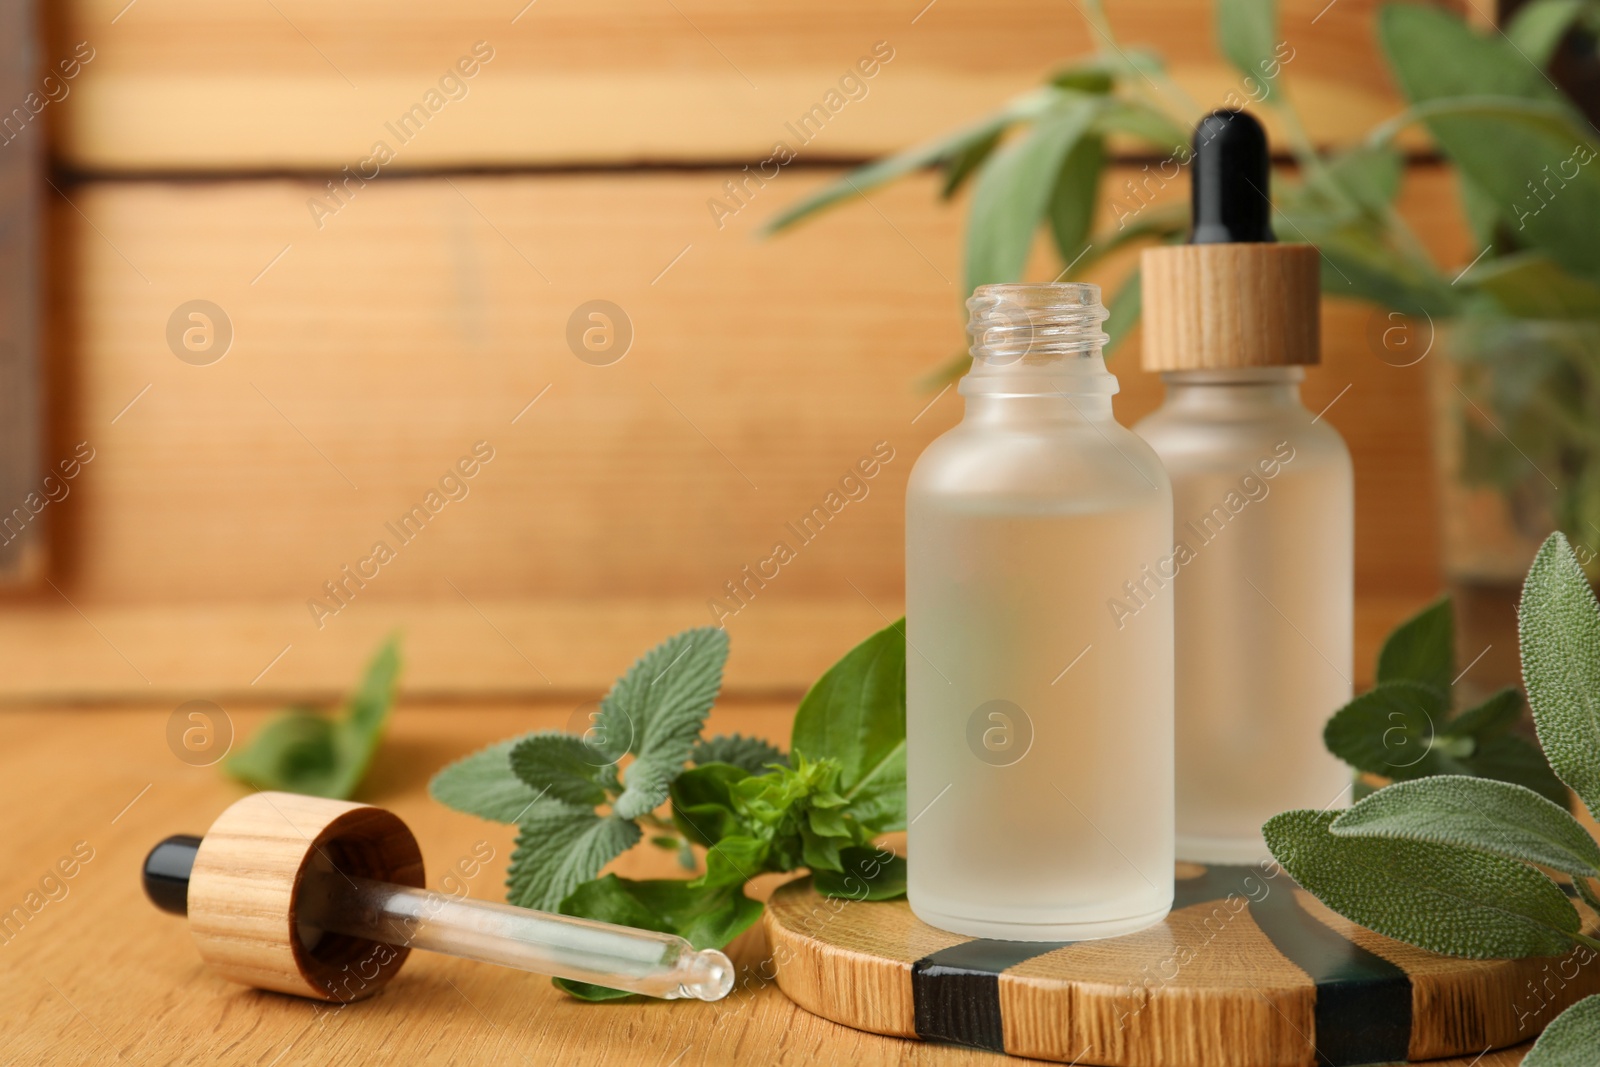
[[1232, 297], [240, 886]]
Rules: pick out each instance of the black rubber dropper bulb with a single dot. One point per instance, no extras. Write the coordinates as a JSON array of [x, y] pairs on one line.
[[1229, 182]]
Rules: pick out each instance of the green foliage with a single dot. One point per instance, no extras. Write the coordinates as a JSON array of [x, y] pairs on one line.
[[1453, 900], [1559, 627], [1570, 1040], [752, 809], [1247, 31], [301, 751], [752, 753], [1403, 729], [1447, 863]]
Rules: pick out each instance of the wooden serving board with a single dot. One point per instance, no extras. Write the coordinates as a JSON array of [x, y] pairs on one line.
[[1249, 970]]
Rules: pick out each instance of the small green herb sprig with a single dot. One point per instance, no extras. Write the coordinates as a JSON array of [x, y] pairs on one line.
[[578, 802], [1451, 863], [304, 751], [1404, 729]]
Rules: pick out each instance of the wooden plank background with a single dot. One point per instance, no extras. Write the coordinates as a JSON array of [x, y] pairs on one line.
[[374, 346]]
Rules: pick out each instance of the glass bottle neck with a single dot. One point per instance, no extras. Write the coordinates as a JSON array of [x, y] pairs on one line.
[[1244, 387]]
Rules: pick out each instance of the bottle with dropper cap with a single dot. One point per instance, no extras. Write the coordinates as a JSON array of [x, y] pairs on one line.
[[1261, 572]]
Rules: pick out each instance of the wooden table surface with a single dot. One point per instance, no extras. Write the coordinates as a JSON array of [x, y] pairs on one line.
[[99, 976]]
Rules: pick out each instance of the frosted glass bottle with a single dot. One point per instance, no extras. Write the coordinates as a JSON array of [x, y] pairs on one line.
[[1263, 585], [1038, 730]]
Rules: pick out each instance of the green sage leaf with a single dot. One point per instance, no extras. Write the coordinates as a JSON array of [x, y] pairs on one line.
[[1571, 1038], [1559, 624], [1076, 196], [483, 784], [562, 765], [1391, 731], [1422, 648], [1490, 719], [1444, 898], [1499, 817], [1537, 27]]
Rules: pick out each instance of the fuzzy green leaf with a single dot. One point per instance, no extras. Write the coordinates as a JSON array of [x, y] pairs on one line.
[[1559, 624], [1507, 820], [302, 751], [855, 714], [559, 846], [1571, 1038], [1444, 898], [1422, 649], [1512, 758], [751, 753], [660, 704], [1490, 719], [865, 874], [483, 784], [1391, 731], [563, 765], [1013, 191]]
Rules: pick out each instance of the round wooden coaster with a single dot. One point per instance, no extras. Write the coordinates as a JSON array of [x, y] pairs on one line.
[[1249, 970]]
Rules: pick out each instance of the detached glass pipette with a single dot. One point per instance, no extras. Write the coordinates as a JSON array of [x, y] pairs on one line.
[[303, 917]]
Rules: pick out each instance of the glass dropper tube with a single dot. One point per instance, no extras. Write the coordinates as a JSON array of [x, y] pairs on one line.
[[583, 950]]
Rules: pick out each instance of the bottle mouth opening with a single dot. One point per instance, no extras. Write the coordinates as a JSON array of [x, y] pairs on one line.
[[1034, 323], [1037, 339]]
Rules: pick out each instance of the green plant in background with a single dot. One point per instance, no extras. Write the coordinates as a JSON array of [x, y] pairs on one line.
[[1452, 863], [1529, 305], [303, 751], [1404, 727], [752, 809]]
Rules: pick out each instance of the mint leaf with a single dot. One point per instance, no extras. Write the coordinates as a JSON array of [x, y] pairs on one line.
[[1571, 1038], [1444, 898], [483, 784], [751, 753], [661, 704], [1507, 820], [1422, 649], [856, 714], [1559, 624], [866, 874], [559, 846], [562, 764], [1392, 731], [301, 751], [702, 803], [1490, 719]]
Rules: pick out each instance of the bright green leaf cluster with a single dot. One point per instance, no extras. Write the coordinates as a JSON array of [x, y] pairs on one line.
[[580, 801], [1452, 863], [302, 751], [1403, 728]]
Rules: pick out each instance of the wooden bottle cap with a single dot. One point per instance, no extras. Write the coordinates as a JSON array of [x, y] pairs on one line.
[[244, 890], [1219, 306]]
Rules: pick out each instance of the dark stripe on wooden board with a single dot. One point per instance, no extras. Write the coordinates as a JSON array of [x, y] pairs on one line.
[[1363, 1006], [956, 991]]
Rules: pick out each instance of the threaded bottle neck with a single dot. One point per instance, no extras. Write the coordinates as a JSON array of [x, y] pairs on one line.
[[1037, 340]]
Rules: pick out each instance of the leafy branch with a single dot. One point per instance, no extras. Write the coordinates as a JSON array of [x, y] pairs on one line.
[[580, 801], [1457, 864]]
